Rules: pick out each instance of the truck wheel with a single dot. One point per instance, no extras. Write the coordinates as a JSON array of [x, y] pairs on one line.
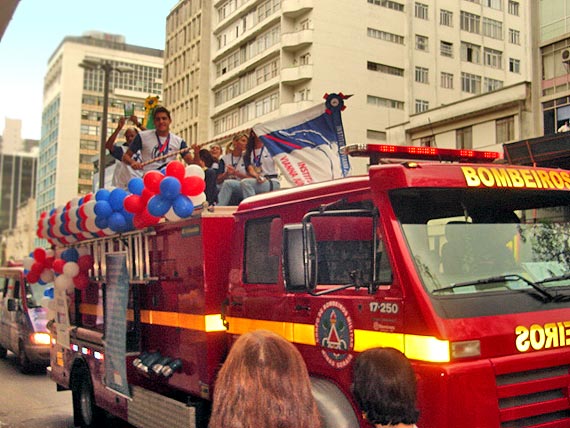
[[85, 413], [3, 352], [24, 362]]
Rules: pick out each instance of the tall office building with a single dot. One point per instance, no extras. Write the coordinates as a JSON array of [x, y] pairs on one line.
[[12, 136], [18, 184], [270, 58], [73, 106]]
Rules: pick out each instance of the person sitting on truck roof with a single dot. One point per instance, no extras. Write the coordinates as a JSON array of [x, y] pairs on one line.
[[264, 383], [260, 167], [156, 143], [384, 387], [231, 171]]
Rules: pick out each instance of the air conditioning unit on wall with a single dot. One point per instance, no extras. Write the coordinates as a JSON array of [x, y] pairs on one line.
[[565, 55]]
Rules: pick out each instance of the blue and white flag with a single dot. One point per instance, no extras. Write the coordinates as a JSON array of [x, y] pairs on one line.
[[305, 146]]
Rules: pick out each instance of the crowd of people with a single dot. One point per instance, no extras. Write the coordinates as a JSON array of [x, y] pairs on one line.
[[264, 383], [245, 169]]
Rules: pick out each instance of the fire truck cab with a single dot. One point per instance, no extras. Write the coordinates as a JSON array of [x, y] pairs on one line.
[[461, 266]]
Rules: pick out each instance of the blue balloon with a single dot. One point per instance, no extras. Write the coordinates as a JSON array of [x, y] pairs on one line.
[[117, 222], [102, 195], [102, 222], [103, 209], [158, 205], [116, 199], [63, 230], [170, 187], [70, 255], [51, 212], [136, 186], [49, 293], [80, 202], [182, 206]]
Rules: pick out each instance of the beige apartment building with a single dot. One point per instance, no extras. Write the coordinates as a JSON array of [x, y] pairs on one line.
[[397, 58], [73, 109]]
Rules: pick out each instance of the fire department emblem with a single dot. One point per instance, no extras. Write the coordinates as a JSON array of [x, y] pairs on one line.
[[334, 334]]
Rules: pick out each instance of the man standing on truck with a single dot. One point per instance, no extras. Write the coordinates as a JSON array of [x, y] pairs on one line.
[[156, 143]]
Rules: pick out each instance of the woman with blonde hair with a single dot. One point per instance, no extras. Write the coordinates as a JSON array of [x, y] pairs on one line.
[[264, 383]]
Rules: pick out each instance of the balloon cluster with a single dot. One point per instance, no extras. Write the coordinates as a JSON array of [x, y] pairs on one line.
[[172, 194], [72, 269], [38, 266], [110, 211]]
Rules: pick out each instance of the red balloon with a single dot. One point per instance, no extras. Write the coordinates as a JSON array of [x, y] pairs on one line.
[[152, 181], [193, 186], [49, 262], [37, 267], [81, 281], [87, 197], [85, 263], [58, 265], [176, 169], [146, 195], [33, 277], [51, 220], [134, 204]]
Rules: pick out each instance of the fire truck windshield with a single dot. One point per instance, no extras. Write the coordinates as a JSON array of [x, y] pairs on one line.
[[482, 241]]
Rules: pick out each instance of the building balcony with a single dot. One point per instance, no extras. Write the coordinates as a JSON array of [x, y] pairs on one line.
[[296, 75], [291, 42], [294, 8]]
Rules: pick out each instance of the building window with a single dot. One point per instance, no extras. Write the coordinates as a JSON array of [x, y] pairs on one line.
[[470, 53], [492, 84], [427, 141], [493, 58], [375, 135], [388, 4], [514, 7], [421, 11], [464, 138], [446, 80], [470, 83], [514, 65], [383, 35], [422, 75], [384, 102], [505, 129], [446, 49], [422, 43], [446, 18], [494, 4], [492, 28], [470, 22], [387, 69], [421, 106], [514, 37]]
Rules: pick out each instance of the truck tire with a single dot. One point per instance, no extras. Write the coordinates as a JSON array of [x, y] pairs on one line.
[[24, 362], [86, 413], [334, 407], [3, 352]]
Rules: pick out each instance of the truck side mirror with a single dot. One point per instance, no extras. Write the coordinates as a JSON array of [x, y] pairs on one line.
[[299, 258], [11, 305]]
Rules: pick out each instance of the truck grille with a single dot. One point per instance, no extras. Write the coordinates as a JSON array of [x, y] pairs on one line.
[[535, 398]]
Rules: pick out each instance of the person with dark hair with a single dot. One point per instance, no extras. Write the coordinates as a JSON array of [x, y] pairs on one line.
[[260, 168], [122, 172], [231, 171], [264, 383], [209, 165], [155, 143], [384, 387]]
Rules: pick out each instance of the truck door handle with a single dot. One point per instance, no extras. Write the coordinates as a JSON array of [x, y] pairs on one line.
[[236, 304], [302, 308]]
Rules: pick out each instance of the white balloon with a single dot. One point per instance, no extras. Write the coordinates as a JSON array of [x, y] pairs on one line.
[[196, 170], [91, 226], [60, 282], [171, 215], [70, 269], [90, 208], [47, 275], [75, 202], [83, 250], [28, 262], [198, 199]]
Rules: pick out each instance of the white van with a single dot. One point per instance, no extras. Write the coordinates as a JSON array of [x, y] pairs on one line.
[[22, 320]]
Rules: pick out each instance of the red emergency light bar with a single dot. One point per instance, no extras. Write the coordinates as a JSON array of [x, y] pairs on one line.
[[379, 151]]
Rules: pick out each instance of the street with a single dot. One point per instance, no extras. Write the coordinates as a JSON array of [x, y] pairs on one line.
[[31, 401]]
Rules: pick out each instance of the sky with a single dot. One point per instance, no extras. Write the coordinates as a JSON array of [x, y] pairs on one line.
[[39, 26]]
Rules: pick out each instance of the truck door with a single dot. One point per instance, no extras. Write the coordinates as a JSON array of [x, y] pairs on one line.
[[4, 325]]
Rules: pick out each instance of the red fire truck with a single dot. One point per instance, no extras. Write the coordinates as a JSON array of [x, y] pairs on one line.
[[462, 266]]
